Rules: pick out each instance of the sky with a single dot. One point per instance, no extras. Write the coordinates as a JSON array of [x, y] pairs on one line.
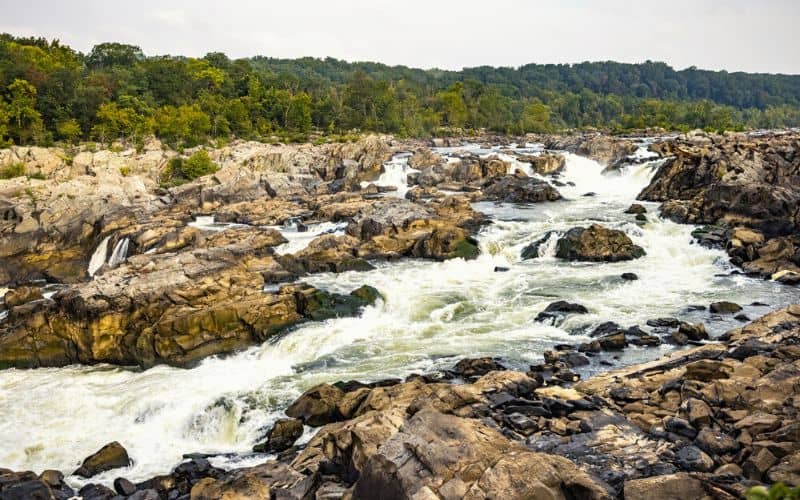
[[734, 35]]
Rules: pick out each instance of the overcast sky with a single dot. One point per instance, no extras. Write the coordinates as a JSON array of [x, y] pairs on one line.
[[736, 35]]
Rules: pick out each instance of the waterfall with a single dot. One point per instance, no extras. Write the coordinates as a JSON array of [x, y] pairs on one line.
[[120, 253], [395, 173], [99, 256]]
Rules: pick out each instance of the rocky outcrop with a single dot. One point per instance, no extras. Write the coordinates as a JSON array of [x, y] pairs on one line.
[[745, 183], [605, 149], [173, 308], [520, 189], [546, 163], [49, 228], [597, 243]]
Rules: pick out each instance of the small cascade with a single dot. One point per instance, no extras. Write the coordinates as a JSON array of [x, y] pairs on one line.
[[99, 256], [120, 253], [395, 173], [548, 248]]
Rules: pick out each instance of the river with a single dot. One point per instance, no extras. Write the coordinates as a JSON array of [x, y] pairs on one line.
[[433, 313]]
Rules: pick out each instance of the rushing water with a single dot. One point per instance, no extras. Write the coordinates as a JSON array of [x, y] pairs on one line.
[[433, 313]]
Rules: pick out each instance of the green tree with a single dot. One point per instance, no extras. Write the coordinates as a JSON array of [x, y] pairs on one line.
[[24, 120], [4, 118], [69, 130], [183, 125], [298, 116], [536, 118], [117, 122], [450, 103]]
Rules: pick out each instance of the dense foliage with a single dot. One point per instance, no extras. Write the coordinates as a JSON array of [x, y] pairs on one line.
[[53, 93]]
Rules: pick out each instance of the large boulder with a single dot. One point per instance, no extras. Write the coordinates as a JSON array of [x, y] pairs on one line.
[[317, 406], [518, 189], [597, 243], [110, 456], [442, 456], [281, 436]]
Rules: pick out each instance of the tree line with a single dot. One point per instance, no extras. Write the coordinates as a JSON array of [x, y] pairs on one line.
[[50, 92]]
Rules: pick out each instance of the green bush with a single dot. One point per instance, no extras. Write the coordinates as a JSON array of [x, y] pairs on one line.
[[777, 491], [13, 170], [180, 171], [198, 165]]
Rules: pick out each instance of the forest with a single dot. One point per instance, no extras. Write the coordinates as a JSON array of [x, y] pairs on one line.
[[51, 93]]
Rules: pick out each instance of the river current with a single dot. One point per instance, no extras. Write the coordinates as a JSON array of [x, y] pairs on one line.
[[433, 314]]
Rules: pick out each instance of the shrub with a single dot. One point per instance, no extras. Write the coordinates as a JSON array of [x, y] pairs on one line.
[[125, 171], [179, 171], [11, 171], [198, 165], [777, 491]]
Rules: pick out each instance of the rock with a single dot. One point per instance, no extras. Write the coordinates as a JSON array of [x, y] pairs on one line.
[[664, 323], [602, 148], [27, 490], [636, 209], [270, 480], [512, 189], [22, 295], [680, 426], [96, 492], [692, 458], [725, 308], [424, 158], [679, 486], [693, 332], [597, 243], [441, 456], [707, 370], [560, 308], [281, 436], [477, 367], [699, 413], [546, 163], [317, 406], [570, 358], [110, 456], [629, 276], [148, 494], [715, 442], [758, 464], [614, 342], [124, 487], [787, 470]]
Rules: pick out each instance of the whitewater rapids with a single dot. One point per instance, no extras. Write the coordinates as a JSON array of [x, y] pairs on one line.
[[433, 314]]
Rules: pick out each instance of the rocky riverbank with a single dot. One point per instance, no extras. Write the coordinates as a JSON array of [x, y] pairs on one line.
[[745, 188], [708, 422]]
